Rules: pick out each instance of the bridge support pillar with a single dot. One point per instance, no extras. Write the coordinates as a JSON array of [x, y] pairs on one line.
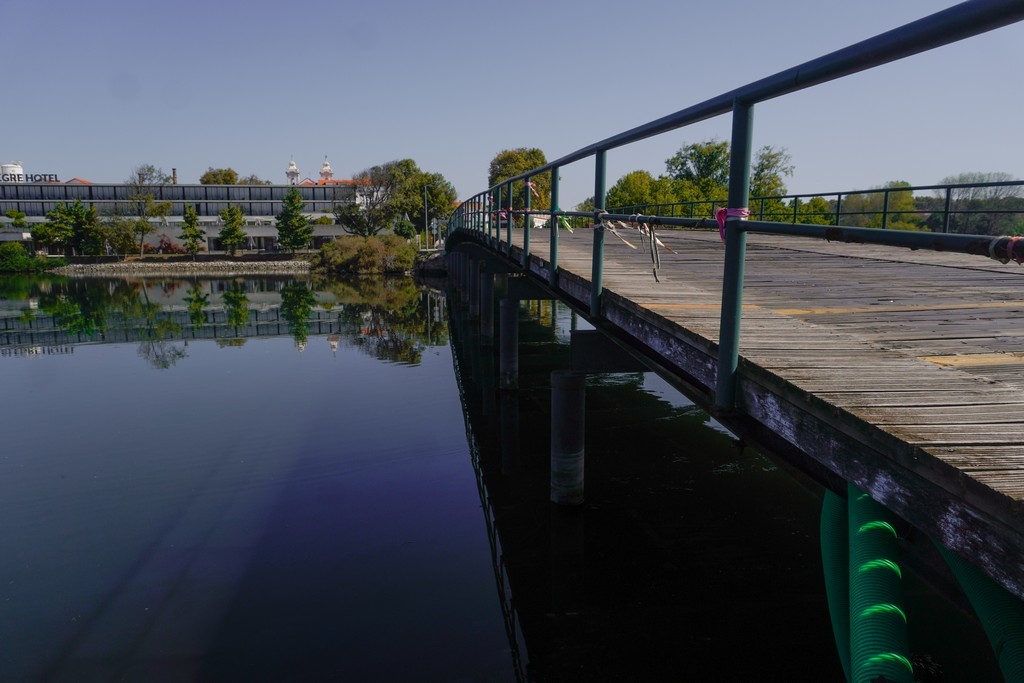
[[455, 272], [568, 411], [508, 344], [508, 430], [473, 287], [486, 295]]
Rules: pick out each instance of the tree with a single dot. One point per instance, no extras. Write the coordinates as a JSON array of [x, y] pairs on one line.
[[219, 176], [118, 230], [766, 174], [233, 233], [381, 187], [981, 199], [146, 207], [637, 190], [440, 195], [75, 227], [192, 236], [253, 180], [704, 165], [866, 209], [293, 228], [702, 170], [147, 174], [17, 218], [142, 199], [509, 163], [355, 220], [816, 211]]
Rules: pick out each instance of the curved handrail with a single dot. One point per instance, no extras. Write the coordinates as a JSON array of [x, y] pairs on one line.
[[942, 28]]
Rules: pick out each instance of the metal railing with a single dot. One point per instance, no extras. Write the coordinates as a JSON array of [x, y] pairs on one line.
[[490, 210], [950, 208]]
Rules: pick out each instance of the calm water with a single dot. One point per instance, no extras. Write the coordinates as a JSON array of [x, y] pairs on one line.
[[279, 480]]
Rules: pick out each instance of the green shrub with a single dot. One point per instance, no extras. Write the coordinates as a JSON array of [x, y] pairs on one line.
[[388, 254], [15, 259]]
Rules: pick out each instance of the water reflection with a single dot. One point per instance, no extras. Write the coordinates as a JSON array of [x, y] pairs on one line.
[[245, 514], [693, 557], [386, 318]]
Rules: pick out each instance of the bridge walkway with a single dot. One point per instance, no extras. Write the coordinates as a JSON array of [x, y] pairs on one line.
[[901, 371]]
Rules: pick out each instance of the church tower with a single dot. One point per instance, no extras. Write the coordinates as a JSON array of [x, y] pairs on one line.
[[325, 171], [292, 173]]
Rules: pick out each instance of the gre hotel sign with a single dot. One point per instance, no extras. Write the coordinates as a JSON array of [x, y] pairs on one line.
[[28, 178]]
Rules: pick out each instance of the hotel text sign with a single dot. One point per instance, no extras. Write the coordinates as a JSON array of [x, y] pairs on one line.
[[28, 178]]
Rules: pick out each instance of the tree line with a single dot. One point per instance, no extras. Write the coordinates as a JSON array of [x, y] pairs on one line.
[[80, 230], [396, 196], [696, 182]]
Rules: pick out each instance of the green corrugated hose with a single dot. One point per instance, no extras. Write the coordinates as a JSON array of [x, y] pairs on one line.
[[1001, 614], [878, 625]]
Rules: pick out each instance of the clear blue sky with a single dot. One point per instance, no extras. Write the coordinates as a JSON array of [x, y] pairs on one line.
[[95, 88]]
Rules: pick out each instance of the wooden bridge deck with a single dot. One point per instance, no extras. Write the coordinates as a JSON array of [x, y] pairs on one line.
[[900, 371]]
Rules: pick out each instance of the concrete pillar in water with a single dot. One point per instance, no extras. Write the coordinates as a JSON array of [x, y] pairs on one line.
[[464, 277], [508, 344], [486, 308], [473, 284], [568, 408], [454, 263], [501, 285], [508, 431]]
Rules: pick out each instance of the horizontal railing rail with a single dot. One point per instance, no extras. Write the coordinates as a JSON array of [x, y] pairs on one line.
[[491, 211], [938, 212]]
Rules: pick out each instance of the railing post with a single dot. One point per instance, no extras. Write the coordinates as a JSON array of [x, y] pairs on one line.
[[735, 256], [526, 223], [597, 264], [497, 215], [949, 204], [508, 224], [839, 209], [553, 224], [885, 210]]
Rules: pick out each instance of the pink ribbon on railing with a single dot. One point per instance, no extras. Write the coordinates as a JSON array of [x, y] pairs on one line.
[[533, 188], [723, 213], [502, 214], [1011, 250]]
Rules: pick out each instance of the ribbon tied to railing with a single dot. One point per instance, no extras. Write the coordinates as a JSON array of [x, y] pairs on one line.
[[722, 214], [646, 230], [533, 188]]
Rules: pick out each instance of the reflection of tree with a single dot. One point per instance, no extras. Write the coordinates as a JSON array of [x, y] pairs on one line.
[[389, 318], [158, 328], [197, 302], [81, 307], [160, 354], [236, 306], [68, 315], [235, 342], [296, 306]]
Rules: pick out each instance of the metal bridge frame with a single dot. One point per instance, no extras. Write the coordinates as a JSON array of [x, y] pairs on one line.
[[942, 28]]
